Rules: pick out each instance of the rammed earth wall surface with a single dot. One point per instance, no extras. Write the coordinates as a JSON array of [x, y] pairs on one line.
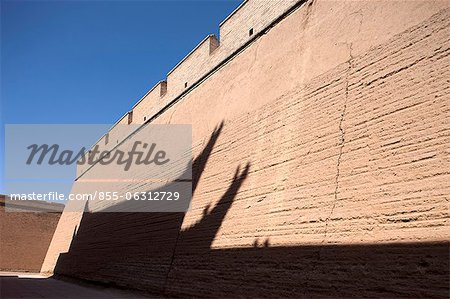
[[320, 163], [24, 238]]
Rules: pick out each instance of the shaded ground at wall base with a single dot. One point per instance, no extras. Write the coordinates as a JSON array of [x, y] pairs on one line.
[[385, 270], [19, 285]]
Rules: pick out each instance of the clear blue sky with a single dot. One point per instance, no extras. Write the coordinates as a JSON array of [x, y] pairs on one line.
[[89, 61]]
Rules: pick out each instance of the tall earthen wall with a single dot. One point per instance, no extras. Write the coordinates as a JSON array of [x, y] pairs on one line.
[[321, 162]]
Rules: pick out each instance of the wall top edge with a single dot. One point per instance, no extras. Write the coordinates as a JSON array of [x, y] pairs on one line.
[[146, 94], [112, 127], [192, 51], [233, 12]]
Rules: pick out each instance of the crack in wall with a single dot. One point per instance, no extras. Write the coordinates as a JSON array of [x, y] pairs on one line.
[[341, 142], [341, 129], [308, 13]]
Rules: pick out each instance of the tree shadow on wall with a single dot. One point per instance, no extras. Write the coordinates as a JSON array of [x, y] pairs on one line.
[[150, 251], [137, 249]]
